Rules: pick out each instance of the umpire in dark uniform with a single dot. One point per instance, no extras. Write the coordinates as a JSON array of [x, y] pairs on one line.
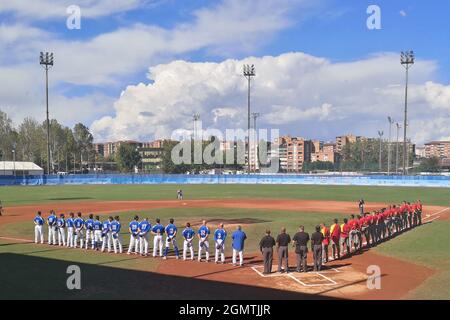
[[266, 246], [316, 248], [283, 241], [300, 242]]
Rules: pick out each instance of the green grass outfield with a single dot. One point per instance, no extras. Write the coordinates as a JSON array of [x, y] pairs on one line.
[[17, 195], [428, 245]]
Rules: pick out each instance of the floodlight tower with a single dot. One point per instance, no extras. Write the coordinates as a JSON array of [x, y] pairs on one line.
[[46, 60], [391, 122], [380, 134], [249, 72], [406, 60]]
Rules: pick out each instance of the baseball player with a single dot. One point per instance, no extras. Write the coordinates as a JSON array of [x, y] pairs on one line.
[[158, 231], [220, 236], [188, 235], [51, 222], [171, 232], [180, 194], [203, 243], [335, 235], [79, 230], [115, 234], [1, 208], [98, 226], [106, 234], [144, 228], [89, 226], [61, 225], [133, 228], [38, 225], [326, 241], [70, 230], [344, 240]]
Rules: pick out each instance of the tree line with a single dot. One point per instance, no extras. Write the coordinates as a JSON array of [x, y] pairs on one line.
[[70, 148]]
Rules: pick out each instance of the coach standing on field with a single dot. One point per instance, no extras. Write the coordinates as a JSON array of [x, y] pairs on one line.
[[283, 241], [300, 242], [266, 246]]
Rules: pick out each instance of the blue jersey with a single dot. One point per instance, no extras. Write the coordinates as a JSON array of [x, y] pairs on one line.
[[51, 220], [97, 225], [171, 229], [238, 237], [70, 222], [188, 233], [134, 227], [89, 223], [39, 220], [158, 228], [115, 226], [79, 223], [145, 226], [220, 234], [203, 231], [61, 223], [106, 226]]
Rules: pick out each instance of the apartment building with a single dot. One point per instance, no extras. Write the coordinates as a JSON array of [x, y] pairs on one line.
[[439, 149]]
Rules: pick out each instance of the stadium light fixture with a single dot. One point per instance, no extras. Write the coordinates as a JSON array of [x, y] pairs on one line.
[[46, 60], [407, 59], [249, 72]]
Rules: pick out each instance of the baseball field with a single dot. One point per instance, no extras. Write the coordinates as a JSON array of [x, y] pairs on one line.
[[413, 265]]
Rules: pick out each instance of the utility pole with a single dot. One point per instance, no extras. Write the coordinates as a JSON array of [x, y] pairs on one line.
[[255, 115], [380, 134], [396, 147], [46, 60], [406, 60], [391, 122], [249, 72]]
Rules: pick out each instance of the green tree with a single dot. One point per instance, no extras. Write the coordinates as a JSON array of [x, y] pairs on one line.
[[127, 157], [430, 165]]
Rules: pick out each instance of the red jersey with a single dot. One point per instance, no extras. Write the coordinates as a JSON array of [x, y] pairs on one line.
[[335, 231], [326, 235], [345, 229]]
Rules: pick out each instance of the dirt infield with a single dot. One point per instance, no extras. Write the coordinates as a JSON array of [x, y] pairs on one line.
[[345, 278]]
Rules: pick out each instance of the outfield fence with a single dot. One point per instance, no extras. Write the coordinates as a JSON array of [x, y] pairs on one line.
[[316, 179]]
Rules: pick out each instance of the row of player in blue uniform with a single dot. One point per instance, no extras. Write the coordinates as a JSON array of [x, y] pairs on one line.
[[106, 235]]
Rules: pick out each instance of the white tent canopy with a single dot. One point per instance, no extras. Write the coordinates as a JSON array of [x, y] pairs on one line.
[[21, 167]]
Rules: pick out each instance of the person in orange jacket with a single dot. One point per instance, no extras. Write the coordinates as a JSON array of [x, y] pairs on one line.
[[326, 241], [335, 233]]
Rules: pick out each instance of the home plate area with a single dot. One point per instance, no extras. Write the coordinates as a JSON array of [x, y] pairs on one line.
[[330, 281]]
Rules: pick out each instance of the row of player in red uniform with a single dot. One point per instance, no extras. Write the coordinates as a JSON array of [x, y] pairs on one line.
[[373, 227]]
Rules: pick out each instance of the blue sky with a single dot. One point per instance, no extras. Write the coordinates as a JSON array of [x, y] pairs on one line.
[[98, 68]]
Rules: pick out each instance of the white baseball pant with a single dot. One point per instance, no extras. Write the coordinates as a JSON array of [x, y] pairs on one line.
[[38, 234], [61, 236], [97, 239], [89, 236], [51, 235], [106, 239], [220, 250], [143, 244], [79, 235], [70, 236], [203, 244], [187, 245], [117, 242], [134, 242], [158, 244]]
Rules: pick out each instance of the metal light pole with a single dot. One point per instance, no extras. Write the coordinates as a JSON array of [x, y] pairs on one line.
[[391, 122], [46, 60], [380, 134], [195, 117], [14, 159], [255, 115], [406, 60], [396, 147], [249, 72]]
